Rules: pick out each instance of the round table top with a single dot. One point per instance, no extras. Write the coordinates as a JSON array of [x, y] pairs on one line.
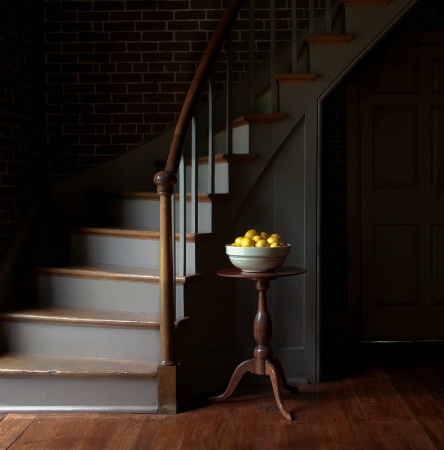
[[283, 271]]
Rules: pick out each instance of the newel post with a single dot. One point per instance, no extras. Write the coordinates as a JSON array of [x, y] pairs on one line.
[[167, 398]]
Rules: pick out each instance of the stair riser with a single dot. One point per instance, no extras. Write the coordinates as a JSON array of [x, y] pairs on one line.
[[135, 297], [121, 251], [82, 341], [221, 178], [128, 213], [241, 140], [59, 394]]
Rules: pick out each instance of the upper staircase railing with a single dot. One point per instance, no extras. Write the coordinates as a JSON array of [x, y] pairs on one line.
[[174, 170]]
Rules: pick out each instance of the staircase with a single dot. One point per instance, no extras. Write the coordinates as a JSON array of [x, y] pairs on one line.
[[86, 334]]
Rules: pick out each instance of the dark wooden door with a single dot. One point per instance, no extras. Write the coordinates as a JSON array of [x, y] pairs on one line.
[[402, 191]]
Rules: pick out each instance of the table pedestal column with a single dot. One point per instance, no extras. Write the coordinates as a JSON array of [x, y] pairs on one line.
[[263, 362]]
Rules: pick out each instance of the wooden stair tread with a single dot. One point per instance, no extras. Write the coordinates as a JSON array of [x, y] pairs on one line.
[[202, 197], [81, 316], [365, 2], [295, 77], [136, 233], [329, 39], [258, 118], [247, 119], [109, 272], [229, 158], [19, 364]]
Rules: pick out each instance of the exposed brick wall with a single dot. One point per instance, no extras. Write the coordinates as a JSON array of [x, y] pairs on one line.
[[118, 71], [22, 123], [115, 75]]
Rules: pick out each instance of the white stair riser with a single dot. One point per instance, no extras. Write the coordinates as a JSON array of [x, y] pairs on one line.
[[138, 297], [83, 341], [127, 213], [221, 178], [122, 251], [241, 140], [89, 394]]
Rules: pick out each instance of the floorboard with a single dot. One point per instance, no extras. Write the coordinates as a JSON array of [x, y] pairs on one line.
[[390, 397]]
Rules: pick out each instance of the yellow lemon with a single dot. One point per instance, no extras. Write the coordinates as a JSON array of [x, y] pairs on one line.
[[262, 243], [237, 241], [275, 235], [264, 235], [274, 244], [272, 240], [257, 238], [247, 242], [251, 233]]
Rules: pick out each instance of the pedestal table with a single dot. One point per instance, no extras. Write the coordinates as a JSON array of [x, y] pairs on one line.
[[263, 362]]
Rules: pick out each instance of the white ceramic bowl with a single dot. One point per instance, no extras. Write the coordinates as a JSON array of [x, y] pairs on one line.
[[257, 259]]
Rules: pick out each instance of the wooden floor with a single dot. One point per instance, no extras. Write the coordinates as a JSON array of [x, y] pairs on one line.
[[383, 398]]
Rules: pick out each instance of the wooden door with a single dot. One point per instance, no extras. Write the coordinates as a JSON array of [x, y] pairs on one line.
[[402, 191]]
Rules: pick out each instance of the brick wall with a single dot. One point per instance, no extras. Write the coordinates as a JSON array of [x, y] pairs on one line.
[[115, 73], [22, 123], [118, 71]]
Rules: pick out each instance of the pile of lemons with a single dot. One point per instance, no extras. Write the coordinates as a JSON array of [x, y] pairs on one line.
[[254, 238]]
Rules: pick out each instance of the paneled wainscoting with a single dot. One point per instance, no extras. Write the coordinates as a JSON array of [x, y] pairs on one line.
[[385, 396]]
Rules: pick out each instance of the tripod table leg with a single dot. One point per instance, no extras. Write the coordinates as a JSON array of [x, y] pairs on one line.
[[272, 373], [281, 376], [239, 372]]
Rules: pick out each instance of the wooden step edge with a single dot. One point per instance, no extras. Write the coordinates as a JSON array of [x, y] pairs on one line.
[[251, 119], [365, 2], [287, 78], [330, 39], [136, 233], [260, 118], [230, 158], [81, 316], [41, 366], [84, 317], [201, 198], [109, 272]]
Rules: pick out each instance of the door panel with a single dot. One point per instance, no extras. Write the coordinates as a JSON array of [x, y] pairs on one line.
[[402, 193]]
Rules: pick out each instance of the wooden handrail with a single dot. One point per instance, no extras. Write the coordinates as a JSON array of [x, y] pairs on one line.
[[200, 78], [166, 179]]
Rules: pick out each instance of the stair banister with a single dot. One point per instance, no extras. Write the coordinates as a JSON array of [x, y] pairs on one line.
[[165, 181]]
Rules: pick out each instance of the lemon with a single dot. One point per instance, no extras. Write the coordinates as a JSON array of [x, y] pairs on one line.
[[274, 244], [264, 235], [262, 243], [251, 233], [272, 240], [275, 235], [247, 242], [237, 241], [257, 238]]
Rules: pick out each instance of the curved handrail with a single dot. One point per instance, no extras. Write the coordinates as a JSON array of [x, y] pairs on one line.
[[200, 79], [166, 179]]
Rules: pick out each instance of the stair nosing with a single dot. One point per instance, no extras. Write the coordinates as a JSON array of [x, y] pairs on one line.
[[366, 2], [135, 233], [25, 365], [329, 39], [81, 317], [201, 197], [109, 272], [287, 78]]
